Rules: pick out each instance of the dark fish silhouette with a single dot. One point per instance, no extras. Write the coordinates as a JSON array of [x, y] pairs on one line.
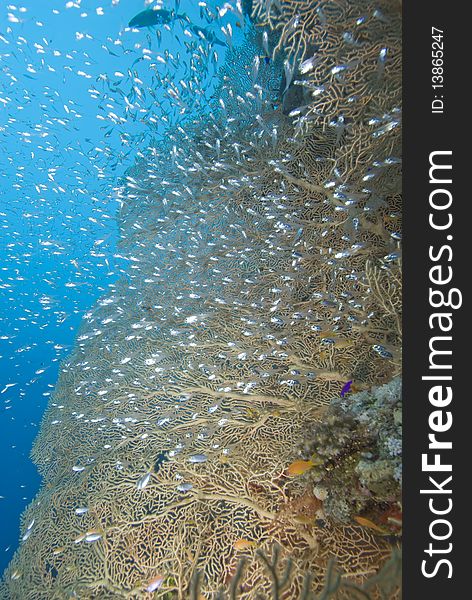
[[150, 17], [346, 388], [207, 34]]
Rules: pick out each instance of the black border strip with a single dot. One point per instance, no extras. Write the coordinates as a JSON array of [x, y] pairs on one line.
[[425, 132]]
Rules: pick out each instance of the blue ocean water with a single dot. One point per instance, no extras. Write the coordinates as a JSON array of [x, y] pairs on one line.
[[72, 119]]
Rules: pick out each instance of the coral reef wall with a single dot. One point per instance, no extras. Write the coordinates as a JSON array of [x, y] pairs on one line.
[[263, 255]]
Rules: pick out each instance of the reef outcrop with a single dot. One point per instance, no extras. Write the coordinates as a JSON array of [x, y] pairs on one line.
[[264, 272]]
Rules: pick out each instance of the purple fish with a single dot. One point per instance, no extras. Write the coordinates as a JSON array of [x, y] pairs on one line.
[[346, 388]]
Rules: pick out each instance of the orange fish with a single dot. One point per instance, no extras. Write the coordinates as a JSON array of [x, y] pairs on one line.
[[368, 523], [243, 544], [303, 519], [299, 467]]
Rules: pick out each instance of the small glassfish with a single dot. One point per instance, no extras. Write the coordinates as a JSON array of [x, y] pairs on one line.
[[27, 534], [308, 64], [92, 537], [155, 583], [143, 481], [197, 458], [382, 351], [184, 487]]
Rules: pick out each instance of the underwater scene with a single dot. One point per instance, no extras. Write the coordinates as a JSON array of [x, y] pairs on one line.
[[201, 299]]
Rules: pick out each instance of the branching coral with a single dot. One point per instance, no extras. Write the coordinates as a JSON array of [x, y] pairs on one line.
[[384, 584], [347, 54]]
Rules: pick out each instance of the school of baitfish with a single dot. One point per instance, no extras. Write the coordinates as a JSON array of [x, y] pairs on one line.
[[257, 277]]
